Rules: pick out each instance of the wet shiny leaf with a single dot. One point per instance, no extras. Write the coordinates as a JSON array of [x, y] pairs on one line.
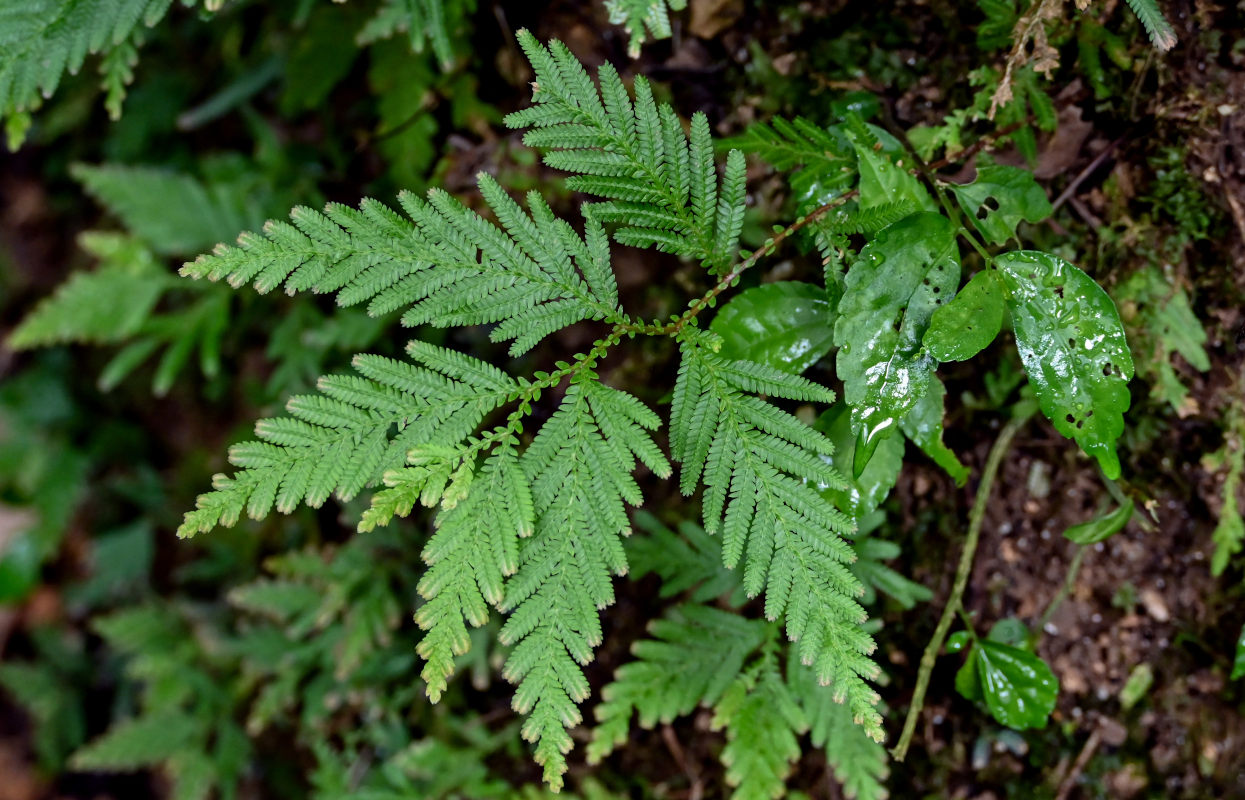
[[1000, 198], [866, 491], [883, 177], [788, 326], [957, 641], [964, 327], [1072, 344], [889, 296], [1018, 687], [1100, 528], [923, 425]]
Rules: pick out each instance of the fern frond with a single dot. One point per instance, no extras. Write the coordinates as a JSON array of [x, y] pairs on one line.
[[426, 22], [688, 560], [143, 742], [104, 306], [642, 19], [447, 265], [694, 655], [850, 218], [40, 42], [762, 720], [859, 762], [579, 469], [659, 184], [172, 212], [760, 468], [473, 551], [352, 432], [821, 161], [1159, 29]]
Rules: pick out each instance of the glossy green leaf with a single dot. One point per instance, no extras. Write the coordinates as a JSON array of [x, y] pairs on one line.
[[964, 327], [1018, 687], [958, 641], [923, 425], [889, 296], [866, 491], [1011, 631], [1238, 667], [883, 177], [1072, 344], [1101, 528], [1000, 199], [787, 326], [967, 681]]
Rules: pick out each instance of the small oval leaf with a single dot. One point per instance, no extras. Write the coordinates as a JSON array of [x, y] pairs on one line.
[[1100, 528], [1072, 344], [963, 328], [787, 326], [1018, 687]]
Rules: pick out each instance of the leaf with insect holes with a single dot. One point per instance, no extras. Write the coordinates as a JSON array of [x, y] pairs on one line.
[[1072, 344], [964, 327], [889, 297], [1000, 199]]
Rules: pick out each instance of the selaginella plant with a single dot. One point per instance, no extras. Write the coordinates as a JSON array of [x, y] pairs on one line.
[[531, 515]]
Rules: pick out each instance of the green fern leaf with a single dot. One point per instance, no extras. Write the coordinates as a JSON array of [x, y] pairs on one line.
[[695, 654], [759, 466], [579, 468], [1159, 29], [820, 162], [643, 19], [762, 720], [659, 184], [688, 560], [144, 742], [174, 213], [104, 306], [426, 22], [859, 763], [534, 275], [40, 42], [347, 436]]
